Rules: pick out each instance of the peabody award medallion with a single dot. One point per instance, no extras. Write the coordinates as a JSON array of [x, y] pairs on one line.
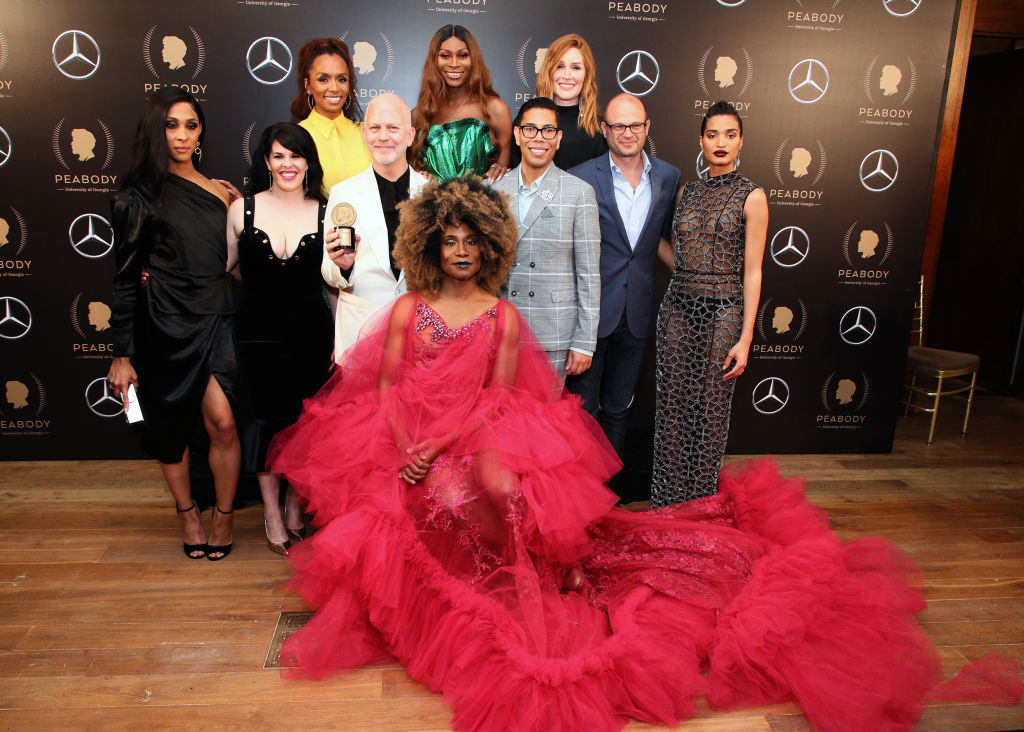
[[343, 214]]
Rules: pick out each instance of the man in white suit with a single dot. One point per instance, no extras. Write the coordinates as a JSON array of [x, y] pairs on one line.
[[369, 279]]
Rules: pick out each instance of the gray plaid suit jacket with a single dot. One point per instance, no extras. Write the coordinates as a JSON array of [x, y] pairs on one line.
[[556, 279]]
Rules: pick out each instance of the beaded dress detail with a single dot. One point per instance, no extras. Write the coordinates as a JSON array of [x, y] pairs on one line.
[[700, 319]]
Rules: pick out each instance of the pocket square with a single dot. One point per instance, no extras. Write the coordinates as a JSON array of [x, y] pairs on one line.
[[546, 214]]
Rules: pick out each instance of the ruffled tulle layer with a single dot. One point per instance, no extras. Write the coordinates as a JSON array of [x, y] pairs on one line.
[[745, 597]]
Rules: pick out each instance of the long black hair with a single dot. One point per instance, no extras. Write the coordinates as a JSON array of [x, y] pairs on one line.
[[148, 168], [299, 141]]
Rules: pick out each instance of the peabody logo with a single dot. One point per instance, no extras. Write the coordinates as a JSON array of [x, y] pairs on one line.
[[808, 81], [91, 236], [802, 166], [5, 84], [23, 402], [790, 246], [878, 170], [269, 60], [724, 73], [528, 63], [76, 54], [780, 324], [13, 234], [633, 11], [901, 8], [770, 396], [101, 400], [90, 319], [15, 318], [888, 86], [865, 251], [6, 147], [76, 145], [638, 73], [817, 18], [857, 325], [467, 7], [176, 53], [374, 60], [843, 398]]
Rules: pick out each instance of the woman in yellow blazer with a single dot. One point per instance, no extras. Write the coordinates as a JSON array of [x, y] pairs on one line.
[[327, 107]]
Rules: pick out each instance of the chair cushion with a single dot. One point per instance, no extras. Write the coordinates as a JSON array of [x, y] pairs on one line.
[[940, 360]]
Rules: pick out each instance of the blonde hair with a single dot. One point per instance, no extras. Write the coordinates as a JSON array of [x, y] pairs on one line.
[[588, 97]]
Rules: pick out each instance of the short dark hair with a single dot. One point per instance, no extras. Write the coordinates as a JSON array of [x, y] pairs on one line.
[[299, 141], [536, 103], [725, 108]]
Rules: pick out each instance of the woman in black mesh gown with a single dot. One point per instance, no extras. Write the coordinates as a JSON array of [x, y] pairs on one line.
[[706, 320]]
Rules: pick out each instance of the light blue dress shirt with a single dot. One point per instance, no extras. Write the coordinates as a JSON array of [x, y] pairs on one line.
[[528, 192], [633, 203]]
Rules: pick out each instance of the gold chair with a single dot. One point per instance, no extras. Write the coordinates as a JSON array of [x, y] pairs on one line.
[[937, 365]]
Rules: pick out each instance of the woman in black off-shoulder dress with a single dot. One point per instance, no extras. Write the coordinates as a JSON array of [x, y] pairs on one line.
[[172, 333]]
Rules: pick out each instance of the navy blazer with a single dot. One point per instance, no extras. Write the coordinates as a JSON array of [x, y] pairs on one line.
[[627, 275]]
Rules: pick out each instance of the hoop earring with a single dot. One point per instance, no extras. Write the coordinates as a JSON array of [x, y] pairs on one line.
[[309, 101], [348, 102], [198, 152]]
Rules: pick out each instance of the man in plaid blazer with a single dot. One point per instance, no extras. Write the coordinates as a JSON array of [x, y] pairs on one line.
[[556, 280]]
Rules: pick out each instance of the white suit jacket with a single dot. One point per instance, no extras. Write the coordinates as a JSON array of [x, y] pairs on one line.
[[371, 284]]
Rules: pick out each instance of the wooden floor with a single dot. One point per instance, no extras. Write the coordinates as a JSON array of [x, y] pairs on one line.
[[105, 624]]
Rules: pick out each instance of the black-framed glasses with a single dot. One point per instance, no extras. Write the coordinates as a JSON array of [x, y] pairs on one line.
[[635, 127], [529, 131]]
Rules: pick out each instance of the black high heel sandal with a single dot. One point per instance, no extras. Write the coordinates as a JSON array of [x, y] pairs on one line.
[[189, 548], [223, 549]]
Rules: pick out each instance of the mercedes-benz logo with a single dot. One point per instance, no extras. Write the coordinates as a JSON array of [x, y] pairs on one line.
[[770, 395], [6, 147], [100, 400], [638, 73], [15, 318], [91, 236], [790, 246], [269, 60], [76, 54], [878, 170], [857, 325], [730, 3], [808, 81], [901, 8]]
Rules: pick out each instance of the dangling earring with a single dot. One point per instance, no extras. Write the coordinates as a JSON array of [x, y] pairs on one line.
[[309, 101], [348, 102], [305, 181], [199, 153], [271, 176]]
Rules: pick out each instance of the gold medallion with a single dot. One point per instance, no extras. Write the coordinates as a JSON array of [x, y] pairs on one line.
[[344, 214]]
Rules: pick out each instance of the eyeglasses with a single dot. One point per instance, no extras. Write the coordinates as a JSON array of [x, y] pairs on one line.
[[529, 131], [635, 127]]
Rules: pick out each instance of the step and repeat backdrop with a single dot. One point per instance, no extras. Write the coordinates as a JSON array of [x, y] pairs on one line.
[[841, 102]]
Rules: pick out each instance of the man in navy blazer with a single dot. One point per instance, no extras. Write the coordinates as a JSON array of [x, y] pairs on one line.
[[635, 200]]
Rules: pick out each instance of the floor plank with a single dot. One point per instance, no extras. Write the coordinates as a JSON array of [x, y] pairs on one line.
[[104, 624]]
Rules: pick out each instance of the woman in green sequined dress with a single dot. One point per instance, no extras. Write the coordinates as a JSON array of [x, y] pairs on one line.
[[462, 125]]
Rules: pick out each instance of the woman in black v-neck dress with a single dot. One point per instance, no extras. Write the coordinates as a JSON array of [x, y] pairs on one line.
[[285, 331], [172, 333]]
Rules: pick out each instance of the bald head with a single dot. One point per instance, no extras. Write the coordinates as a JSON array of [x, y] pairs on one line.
[[389, 106], [627, 104], [625, 126], [388, 132]]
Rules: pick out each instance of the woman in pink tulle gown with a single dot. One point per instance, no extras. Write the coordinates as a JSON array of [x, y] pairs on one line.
[[464, 528]]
